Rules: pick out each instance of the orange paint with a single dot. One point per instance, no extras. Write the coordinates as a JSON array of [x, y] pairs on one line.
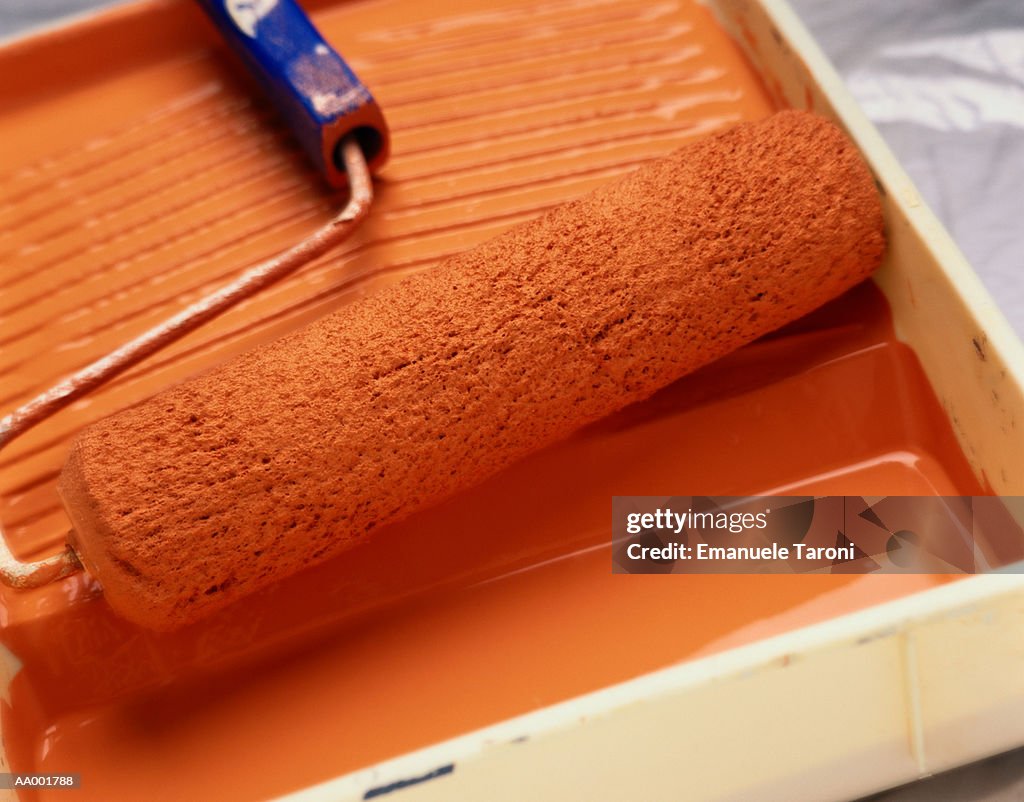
[[148, 178]]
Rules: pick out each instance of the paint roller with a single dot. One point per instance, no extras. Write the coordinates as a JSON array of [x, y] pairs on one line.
[[299, 450]]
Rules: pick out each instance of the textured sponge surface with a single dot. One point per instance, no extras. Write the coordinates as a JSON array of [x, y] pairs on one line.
[[296, 451]]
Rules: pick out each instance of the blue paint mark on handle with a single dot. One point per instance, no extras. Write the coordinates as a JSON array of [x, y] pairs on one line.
[[319, 95]]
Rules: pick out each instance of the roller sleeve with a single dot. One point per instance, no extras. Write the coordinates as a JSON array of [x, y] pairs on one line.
[[298, 450]]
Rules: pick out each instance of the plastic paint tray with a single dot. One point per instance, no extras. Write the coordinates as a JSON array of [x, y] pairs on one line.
[[440, 663]]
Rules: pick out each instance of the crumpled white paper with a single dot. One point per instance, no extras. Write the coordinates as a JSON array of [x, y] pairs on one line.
[[944, 82]]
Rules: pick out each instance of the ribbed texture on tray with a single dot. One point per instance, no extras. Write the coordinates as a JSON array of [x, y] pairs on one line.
[[296, 451]]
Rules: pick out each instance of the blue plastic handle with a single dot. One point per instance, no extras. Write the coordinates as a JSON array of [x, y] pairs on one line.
[[309, 83]]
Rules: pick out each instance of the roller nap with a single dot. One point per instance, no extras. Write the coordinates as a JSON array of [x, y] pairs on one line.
[[298, 450]]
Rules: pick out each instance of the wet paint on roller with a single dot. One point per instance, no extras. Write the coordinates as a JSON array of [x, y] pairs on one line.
[[111, 219], [304, 448]]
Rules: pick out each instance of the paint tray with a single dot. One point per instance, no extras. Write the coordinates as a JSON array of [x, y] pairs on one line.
[[483, 649]]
